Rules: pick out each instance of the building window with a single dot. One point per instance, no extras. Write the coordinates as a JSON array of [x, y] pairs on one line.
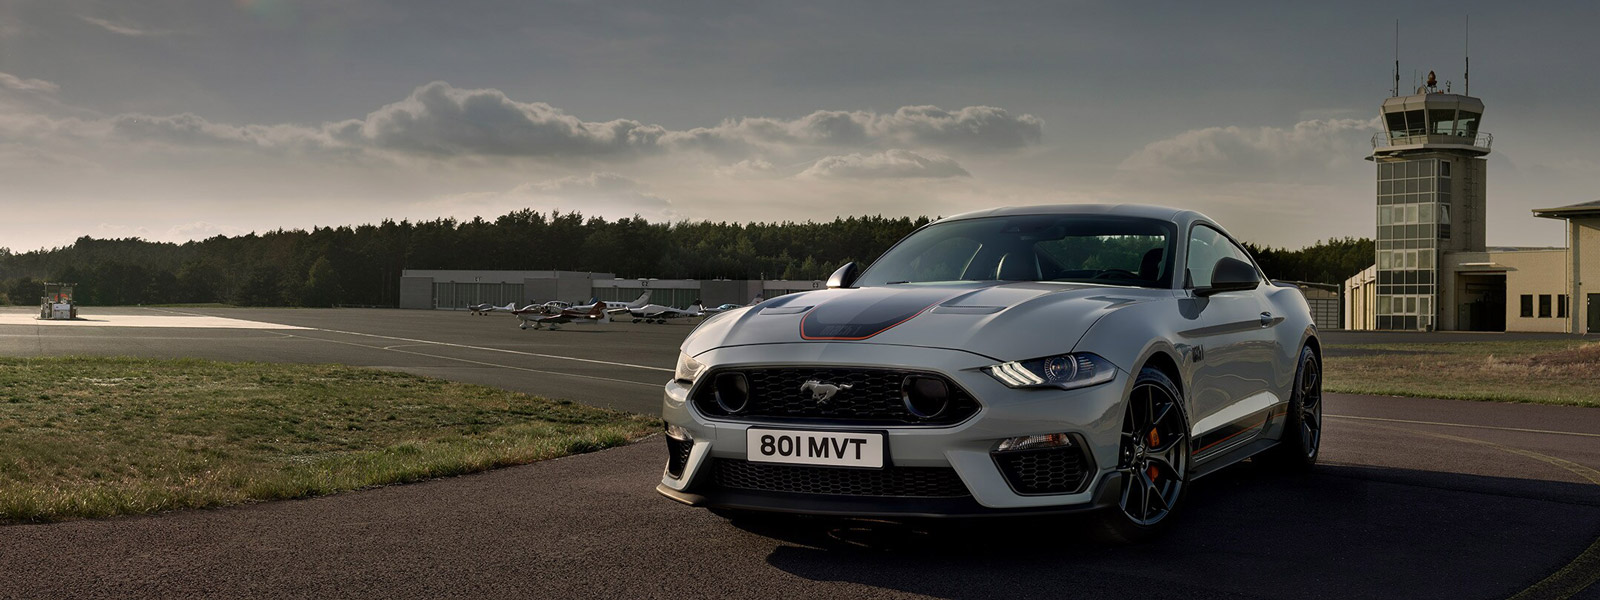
[[1561, 306], [1444, 168], [1544, 306], [1527, 305]]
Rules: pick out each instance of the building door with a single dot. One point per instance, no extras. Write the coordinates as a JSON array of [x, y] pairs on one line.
[[1485, 308], [1594, 313]]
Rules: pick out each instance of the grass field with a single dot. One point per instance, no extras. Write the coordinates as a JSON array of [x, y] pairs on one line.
[[96, 437], [1543, 371]]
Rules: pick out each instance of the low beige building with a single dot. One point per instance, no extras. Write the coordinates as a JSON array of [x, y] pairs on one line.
[[1508, 289], [1582, 269], [1361, 300]]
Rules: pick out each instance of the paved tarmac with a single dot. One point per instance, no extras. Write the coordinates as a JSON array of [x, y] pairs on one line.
[[1415, 498], [616, 365]]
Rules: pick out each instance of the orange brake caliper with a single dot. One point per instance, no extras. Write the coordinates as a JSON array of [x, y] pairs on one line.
[[1155, 440]]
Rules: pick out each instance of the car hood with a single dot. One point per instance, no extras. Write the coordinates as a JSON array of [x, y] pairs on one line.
[[1004, 321]]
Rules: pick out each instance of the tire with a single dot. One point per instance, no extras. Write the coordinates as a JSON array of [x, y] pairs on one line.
[[1154, 461], [1301, 443]]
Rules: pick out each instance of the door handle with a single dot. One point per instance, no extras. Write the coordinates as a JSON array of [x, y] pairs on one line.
[[1266, 319]]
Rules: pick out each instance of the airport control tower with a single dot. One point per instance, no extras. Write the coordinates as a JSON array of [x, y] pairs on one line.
[[1430, 159]]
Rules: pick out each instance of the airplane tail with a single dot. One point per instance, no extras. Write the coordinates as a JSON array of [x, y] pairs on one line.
[[696, 309], [643, 300], [599, 314], [512, 305]]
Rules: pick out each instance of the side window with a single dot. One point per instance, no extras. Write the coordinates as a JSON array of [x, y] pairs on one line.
[[1206, 247]]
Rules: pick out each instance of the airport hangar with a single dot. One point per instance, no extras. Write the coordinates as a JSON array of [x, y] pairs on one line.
[[1433, 269], [457, 289]]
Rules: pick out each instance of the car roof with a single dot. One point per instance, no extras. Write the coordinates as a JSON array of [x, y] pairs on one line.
[[1173, 215]]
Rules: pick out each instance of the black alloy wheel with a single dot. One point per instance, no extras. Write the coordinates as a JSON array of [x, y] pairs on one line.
[[1302, 430], [1153, 458]]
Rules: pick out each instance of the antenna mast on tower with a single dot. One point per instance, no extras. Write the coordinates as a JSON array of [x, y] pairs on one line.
[[1466, 52], [1396, 57]]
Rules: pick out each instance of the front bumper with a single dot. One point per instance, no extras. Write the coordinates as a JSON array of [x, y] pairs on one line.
[[1092, 415], [1107, 492]]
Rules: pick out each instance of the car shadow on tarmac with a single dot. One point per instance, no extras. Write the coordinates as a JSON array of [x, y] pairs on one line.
[[1338, 532]]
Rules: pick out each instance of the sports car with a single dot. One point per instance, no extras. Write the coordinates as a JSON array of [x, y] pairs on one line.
[[1010, 361]]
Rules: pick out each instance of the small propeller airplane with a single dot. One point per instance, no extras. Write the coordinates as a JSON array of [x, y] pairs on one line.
[[536, 315], [656, 313], [486, 308], [615, 307]]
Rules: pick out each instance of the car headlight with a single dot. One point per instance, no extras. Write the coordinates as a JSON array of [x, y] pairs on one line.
[[688, 369], [1066, 371]]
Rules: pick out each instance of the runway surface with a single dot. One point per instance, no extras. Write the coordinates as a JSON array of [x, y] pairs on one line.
[[1415, 498]]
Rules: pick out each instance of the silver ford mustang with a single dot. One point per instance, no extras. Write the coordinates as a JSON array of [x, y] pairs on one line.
[[1008, 361]]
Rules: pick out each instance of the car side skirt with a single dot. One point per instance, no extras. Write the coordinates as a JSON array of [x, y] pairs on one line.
[[1249, 439]]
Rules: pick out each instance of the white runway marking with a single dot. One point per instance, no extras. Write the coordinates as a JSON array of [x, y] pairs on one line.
[[156, 321], [487, 349], [1597, 435], [468, 347], [475, 362]]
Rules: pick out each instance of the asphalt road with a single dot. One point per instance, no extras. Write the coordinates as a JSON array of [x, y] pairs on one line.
[[1415, 498]]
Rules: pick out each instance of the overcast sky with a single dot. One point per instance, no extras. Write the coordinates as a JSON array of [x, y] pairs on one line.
[[175, 120]]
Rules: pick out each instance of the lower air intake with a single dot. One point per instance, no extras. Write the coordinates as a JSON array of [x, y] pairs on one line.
[[904, 482]]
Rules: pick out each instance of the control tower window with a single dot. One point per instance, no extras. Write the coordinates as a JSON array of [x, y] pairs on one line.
[[1415, 125], [1396, 124], [1467, 124], [1441, 121]]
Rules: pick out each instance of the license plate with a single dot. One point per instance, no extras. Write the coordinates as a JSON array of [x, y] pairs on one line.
[[825, 448]]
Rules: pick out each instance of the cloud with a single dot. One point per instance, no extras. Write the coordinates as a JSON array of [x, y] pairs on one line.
[[974, 128], [189, 130], [441, 120], [12, 82], [1271, 153], [123, 29], [891, 164], [750, 168]]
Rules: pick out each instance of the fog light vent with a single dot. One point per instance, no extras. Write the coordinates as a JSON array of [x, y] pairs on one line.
[[679, 443], [1054, 463]]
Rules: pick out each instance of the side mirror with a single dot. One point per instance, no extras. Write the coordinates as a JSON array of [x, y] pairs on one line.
[[1230, 275], [845, 276]]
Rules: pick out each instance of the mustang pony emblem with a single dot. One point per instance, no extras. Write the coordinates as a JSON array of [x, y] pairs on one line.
[[823, 392]]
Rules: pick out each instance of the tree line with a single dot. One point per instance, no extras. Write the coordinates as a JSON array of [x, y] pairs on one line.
[[361, 265], [1330, 261]]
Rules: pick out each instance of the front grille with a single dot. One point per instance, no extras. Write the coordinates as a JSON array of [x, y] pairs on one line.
[[905, 482], [678, 456], [1044, 471], [873, 398]]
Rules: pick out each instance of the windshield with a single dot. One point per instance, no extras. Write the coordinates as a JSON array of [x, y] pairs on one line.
[[1081, 248]]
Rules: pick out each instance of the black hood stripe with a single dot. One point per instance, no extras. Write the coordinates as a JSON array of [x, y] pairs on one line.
[[862, 313]]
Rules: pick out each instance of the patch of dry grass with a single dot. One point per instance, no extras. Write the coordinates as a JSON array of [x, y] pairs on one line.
[[96, 437], [1541, 371]]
